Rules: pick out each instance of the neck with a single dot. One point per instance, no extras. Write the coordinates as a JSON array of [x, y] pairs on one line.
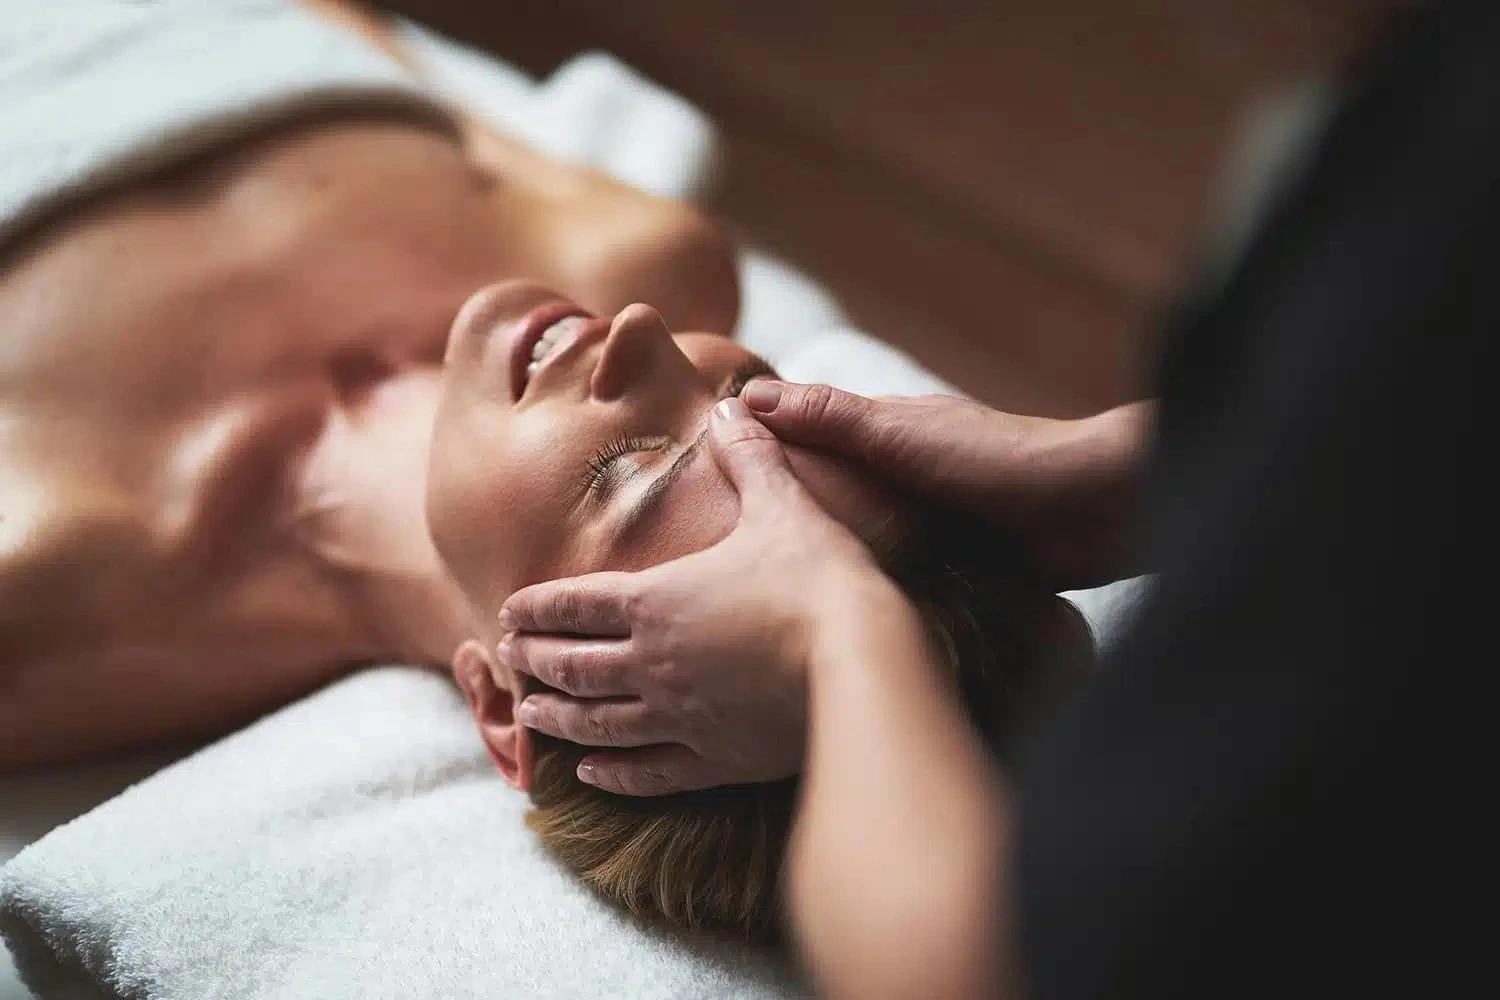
[[412, 617], [363, 516]]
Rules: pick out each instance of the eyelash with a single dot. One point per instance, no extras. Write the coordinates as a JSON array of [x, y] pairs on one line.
[[603, 461]]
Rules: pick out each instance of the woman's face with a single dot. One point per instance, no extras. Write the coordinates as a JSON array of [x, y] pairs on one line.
[[567, 443]]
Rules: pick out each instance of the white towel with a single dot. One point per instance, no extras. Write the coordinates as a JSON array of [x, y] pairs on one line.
[[593, 109], [357, 844], [93, 92]]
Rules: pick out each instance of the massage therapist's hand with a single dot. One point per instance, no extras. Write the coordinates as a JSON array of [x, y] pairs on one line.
[[699, 663], [1065, 488]]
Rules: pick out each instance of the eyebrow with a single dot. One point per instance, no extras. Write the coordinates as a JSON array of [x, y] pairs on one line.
[[651, 497]]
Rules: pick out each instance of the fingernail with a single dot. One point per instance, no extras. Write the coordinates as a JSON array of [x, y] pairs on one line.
[[731, 409], [586, 773], [505, 649], [526, 713], [762, 395], [507, 619]]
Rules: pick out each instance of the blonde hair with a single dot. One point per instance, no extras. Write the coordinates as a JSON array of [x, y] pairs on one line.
[[712, 859]]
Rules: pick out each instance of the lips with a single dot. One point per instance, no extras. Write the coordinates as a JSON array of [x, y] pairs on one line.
[[555, 338], [525, 336]]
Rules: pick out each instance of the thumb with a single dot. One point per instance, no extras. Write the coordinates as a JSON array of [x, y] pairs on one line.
[[750, 456], [818, 415]]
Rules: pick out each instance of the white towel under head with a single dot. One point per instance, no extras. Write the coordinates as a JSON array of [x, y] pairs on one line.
[[94, 92], [356, 844]]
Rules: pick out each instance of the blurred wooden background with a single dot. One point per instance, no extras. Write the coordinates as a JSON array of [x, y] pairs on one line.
[[1010, 196]]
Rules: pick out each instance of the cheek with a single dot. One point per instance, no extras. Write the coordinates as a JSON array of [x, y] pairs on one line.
[[471, 502], [502, 492]]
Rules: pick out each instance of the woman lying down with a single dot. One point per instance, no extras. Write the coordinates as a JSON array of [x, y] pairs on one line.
[[226, 373], [567, 443]]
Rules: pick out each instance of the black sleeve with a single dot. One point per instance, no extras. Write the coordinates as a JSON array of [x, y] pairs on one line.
[[1245, 800]]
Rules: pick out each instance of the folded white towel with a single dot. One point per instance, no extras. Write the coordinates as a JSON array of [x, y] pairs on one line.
[[93, 92], [356, 844], [593, 109], [97, 92]]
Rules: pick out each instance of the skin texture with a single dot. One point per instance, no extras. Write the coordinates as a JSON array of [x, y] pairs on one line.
[[216, 394], [508, 497]]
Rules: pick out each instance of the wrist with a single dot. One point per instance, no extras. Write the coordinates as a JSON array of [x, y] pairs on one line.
[[863, 619], [1091, 456]]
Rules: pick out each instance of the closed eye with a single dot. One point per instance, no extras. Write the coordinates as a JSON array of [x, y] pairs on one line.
[[651, 497], [603, 466], [606, 472]]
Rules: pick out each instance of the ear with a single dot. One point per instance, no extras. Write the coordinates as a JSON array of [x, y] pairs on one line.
[[494, 708]]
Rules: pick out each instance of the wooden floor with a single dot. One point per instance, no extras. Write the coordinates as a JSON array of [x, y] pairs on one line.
[[1012, 197]]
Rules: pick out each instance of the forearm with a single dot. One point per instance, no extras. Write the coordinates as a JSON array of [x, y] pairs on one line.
[[896, 869]]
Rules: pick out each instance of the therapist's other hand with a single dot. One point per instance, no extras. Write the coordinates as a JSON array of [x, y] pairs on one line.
[[698, 664], [1065, 488]]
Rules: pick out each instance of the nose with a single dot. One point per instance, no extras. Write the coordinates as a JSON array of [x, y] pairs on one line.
[[637, 353]]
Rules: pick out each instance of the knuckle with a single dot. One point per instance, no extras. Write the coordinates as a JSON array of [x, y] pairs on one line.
[[567, 610], [578, 667], [668, 676], [895, 438], [817, 402], [648, 781], [823, 405], [599, 728], [565, 672], [635, 606], [654, 715]]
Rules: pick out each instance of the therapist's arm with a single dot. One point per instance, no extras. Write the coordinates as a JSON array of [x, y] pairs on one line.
[[1066, 489], [896, 869]]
